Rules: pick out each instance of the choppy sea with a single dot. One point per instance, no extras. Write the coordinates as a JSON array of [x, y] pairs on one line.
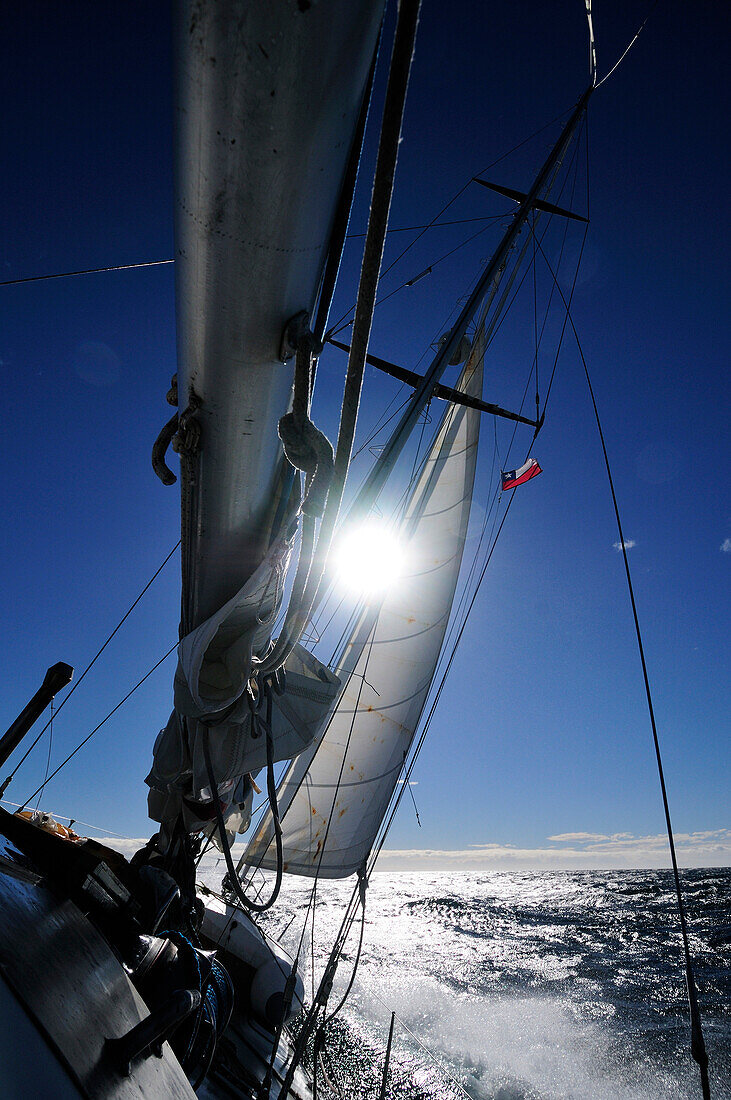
[[522, 985]]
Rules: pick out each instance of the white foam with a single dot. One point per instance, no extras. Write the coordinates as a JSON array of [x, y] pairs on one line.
[[513, 1048]]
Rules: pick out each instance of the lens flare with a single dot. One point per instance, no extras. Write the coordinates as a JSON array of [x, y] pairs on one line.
[[369, 558]]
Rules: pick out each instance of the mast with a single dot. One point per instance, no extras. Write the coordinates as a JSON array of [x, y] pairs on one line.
[[268, 102], [390, 453]]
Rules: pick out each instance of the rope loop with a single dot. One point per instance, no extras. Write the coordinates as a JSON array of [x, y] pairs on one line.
[[264, 725], [309, 450], [305, 446]]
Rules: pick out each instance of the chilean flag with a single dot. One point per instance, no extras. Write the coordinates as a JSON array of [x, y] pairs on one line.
[[513, 478]]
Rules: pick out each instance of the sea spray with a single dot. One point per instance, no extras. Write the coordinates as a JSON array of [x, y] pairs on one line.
[[521, 985]]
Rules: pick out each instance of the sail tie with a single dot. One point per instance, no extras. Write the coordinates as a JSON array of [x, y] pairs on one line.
[[309, 450], [186, 440], [183, 430], [305, 446], [159, 450], [165, 438]]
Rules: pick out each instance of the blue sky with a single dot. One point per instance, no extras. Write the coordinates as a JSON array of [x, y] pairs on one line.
[[541, 747]]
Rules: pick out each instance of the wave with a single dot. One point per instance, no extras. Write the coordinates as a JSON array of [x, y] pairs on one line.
[[523, 986]]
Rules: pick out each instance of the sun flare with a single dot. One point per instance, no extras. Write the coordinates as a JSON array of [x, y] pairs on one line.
[[369, 558]]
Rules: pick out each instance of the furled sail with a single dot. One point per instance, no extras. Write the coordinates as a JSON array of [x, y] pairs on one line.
[[211, 700], [334, 796]]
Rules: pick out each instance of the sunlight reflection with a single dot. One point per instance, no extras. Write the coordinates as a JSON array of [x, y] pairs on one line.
[[369, 558]]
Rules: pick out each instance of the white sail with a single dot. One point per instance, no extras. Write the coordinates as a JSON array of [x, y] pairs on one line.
[[334, 796]]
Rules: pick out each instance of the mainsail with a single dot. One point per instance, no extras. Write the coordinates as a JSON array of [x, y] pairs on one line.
[[334, 796]]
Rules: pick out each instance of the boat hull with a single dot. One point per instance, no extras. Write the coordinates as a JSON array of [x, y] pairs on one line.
[[64, 993]]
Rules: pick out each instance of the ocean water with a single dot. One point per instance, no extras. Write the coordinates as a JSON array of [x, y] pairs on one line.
[[521, 985]]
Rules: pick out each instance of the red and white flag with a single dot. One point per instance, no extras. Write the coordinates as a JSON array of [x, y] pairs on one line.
[[513, 478]]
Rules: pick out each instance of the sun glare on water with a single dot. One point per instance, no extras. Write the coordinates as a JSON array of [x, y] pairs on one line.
[[369, 559]]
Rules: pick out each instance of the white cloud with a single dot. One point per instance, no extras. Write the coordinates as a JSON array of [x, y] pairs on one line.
[[628, 544], [589, 836], [726, 546], [571, 851], [578, 836], [564, 852]]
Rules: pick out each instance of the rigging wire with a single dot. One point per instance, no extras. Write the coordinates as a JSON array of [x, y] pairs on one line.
[[532, 230], [348, 989], [247, 903], [339, 327], [698, 1049], [413, 799], [410, 282], [163, 263], [320, 999], [540, 338], [408, 771], [88, 668], [495, 328], [554, 282], [434, 221], [97, 728], [537, 243], [500, 311], [492, 507], [381, 423], [419, 1042], [639, 31], [351, 908], [371, 640], [48, 758], [431, 225], [87, 271], [74, 821], [337, 949]]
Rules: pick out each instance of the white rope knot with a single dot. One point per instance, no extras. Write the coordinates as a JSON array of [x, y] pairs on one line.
[[309, 450]]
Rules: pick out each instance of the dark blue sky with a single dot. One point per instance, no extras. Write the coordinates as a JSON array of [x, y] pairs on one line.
[[543, 730]]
